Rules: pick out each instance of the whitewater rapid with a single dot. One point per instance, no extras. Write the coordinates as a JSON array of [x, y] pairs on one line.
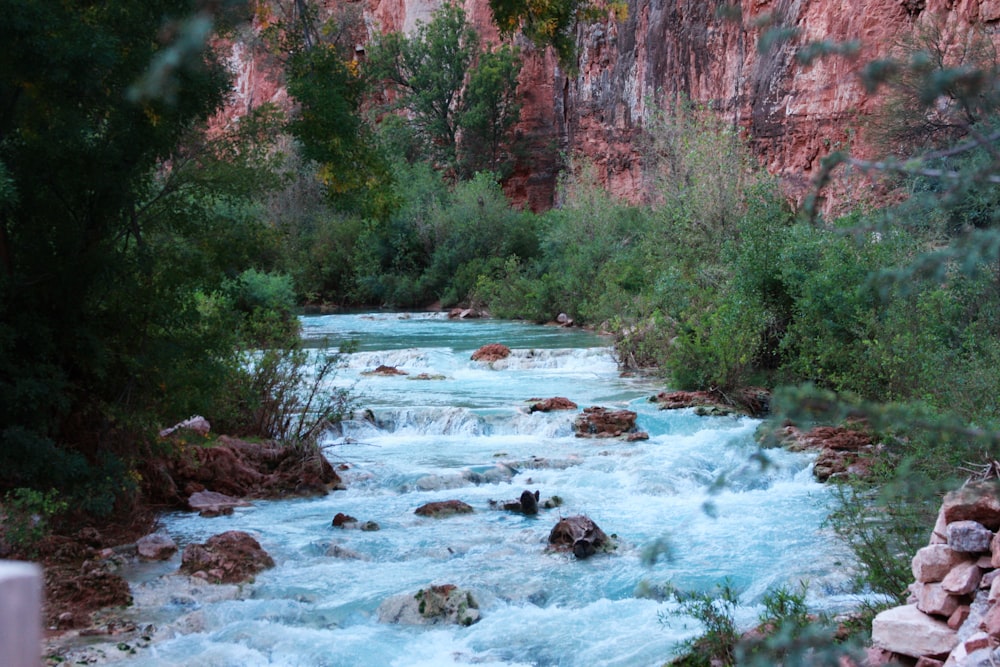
[[468, 435]]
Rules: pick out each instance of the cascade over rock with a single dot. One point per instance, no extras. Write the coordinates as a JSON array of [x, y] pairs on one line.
[[627, 70]]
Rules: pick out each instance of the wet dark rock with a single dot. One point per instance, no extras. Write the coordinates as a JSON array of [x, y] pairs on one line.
[[527, 504], [342, 520], [580, 535]]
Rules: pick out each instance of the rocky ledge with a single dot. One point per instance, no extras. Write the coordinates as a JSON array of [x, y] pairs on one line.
[[752, 401], [952, 618], [208, 476], [842, 452]]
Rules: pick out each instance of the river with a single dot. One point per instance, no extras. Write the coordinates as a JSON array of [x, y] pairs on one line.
[[434, 439]]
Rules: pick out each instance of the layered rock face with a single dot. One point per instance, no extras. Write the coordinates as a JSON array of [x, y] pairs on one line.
[[665, 50]]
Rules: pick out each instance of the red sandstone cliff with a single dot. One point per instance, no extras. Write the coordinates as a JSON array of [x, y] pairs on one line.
[[794, 113]]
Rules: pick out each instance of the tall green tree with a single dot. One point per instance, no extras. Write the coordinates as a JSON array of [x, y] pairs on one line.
[[317, 58], [460, 104], [96, 330], [426, 72], [491, 109]]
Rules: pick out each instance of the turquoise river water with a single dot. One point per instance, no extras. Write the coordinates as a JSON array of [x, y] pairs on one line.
[[428, 441]]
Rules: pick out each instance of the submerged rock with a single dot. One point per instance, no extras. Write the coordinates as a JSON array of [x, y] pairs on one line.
[[501, 472], [580, 535], [443, 508], [445, 604], [338, 551], [385, 371], [228, 558]]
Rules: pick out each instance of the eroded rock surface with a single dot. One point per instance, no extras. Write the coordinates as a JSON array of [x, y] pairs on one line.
[[600, 422], [434, 605], [228, 558], [580, 535], [491, 352]]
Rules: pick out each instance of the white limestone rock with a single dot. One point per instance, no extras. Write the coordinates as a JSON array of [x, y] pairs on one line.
[[963, 578], [934, 562], [908, 631]]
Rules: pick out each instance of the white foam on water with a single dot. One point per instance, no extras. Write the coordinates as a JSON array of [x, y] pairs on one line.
[[470, 437]]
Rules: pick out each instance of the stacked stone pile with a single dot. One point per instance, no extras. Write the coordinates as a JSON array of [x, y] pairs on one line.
[[953, 618]]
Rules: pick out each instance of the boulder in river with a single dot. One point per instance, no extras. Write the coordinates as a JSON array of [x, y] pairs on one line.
[[550, 404], [443, 508], [526, 504], [599, 422], [580, 535], [240, 469], [433, 605], [466, 314], [342, 520], [491, 352], [228, 558]]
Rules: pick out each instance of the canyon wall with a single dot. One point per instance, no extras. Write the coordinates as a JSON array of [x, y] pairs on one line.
[[665, 50]]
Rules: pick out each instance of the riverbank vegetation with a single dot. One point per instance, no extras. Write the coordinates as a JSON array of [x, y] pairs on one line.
[[148, 246]]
